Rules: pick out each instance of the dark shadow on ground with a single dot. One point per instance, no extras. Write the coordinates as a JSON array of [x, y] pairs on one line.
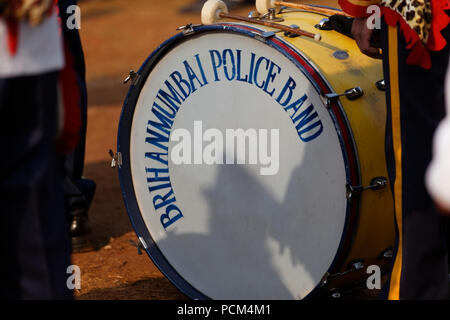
[[149, 289], [105, 92], [107, 214]]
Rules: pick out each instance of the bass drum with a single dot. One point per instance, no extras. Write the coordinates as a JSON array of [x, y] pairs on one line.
[[244, 176]]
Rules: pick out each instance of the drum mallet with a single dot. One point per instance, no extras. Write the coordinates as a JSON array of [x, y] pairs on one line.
[[215, 10], [263, 6]]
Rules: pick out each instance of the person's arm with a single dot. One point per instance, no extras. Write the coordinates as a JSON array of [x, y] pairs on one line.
[[360, 30]]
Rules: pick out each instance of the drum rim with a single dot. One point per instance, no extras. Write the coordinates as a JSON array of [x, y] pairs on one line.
[[307, 67]]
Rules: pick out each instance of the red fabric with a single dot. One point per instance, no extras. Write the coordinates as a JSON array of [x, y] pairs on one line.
[[359, 11], [13, 36], [436, 41], [71, 105], [420, 53]]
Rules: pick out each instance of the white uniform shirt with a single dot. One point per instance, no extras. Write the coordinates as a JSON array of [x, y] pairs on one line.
[[438, 175], [39, 49]]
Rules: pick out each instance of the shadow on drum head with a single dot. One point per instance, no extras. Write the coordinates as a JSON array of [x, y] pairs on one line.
[[228, 238]]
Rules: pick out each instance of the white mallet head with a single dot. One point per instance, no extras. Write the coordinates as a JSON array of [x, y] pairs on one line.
[[263, 6], [211, 11]]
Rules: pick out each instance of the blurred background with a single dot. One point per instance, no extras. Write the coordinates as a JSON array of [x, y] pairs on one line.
[[117, 36]]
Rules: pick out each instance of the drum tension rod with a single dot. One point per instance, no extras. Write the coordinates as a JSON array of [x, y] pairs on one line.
[[356, 265], [381, 85], [324, 24], [350, 94], [375, 184], [188, 28], [133, 77], [141, 245], [138, 246], [116, 159]]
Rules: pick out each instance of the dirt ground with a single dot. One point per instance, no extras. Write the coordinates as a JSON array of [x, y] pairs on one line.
[[117, 36]]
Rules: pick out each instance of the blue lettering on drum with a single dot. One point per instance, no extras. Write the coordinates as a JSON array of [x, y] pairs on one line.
[[307, 121], [196, 73]]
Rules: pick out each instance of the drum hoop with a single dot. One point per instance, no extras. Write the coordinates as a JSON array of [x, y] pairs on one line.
[[336, 111]]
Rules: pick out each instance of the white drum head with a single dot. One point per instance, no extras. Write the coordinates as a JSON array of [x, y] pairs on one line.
[[242, 234]]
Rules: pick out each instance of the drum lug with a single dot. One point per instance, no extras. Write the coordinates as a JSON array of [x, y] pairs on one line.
[[133, 77], [116, 159], [271, 15], [350, 94], [324, 24], [376, 183]]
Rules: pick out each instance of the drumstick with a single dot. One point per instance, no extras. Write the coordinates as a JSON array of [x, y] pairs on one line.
[[311, 8], [263, 6], [213, 10], [274, 25]]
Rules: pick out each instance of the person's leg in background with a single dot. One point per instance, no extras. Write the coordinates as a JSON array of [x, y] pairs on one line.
[[415, 100], [35, 243], [79, 191]]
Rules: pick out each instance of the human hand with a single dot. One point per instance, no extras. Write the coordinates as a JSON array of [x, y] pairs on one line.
[[363, 36], [31, 11]]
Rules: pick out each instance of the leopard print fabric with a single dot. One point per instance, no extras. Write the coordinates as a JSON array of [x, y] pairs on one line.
[[416, 13]]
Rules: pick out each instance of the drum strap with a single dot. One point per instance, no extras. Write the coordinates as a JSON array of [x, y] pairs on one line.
[[394, 292]]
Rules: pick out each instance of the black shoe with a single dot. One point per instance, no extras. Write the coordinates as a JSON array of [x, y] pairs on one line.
[[80, 229]]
